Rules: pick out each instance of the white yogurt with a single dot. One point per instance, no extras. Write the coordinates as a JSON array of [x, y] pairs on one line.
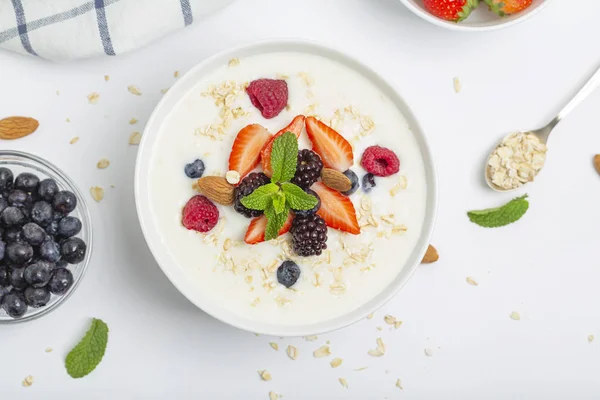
[[242, 278]]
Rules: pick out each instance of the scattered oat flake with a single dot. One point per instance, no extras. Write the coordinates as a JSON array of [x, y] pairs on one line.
[[165, 90], [134, 90], [273, 396], [103, 163], [58, 92], [68, 119], [343, 382], [380, 350], [28, 381], [590, 338], [176, 74], [457, 85], [310, 338], [472, 281], [428, 352], [233, 62], [135, 138], [93, 98], [106, 78], [97, 193], [49, 350], [308, 80], [74, 140], [133, 121], [360, 369], [336, 362], [397, 324], [255, 302], [265, 375], [322, 351], [292, 352], [515, 315], [390, 320], [370, 316], [274, 346], [399, 384]]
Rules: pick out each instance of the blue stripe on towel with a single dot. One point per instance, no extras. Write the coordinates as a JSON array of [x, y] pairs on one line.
[[103, 27], [186, 9], [22, 26]]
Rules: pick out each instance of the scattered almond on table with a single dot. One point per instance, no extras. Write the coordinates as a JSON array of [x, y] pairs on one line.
[[431, 255], [597, 162], [12, 128]]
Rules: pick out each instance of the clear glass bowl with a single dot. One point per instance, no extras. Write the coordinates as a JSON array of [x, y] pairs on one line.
[[23, 162]]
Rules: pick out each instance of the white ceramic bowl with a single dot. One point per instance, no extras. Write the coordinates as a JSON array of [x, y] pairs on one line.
[[482, 19], [178, 276]]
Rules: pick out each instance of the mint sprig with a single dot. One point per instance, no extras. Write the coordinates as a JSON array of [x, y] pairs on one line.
[[88, 353], [500, 216], [278, 197]]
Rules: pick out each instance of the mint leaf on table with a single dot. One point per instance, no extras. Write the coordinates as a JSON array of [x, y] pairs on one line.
[[261, 198], [297, 198], [500, 216], [275, 222], [88, 353], [284, 157]]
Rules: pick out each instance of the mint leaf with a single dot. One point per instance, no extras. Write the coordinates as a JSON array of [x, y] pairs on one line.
[[88, 353], [500, 216], [284, 157], [279, 202], [297, 198], [261, 198], [275, 222]]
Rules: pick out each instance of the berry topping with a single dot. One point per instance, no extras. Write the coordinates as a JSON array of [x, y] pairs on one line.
[[270, 96], [256, 231], [508, 7], [194, 169], [36, 297], [336, 209], [309, 235], [6, 179], [42, 213], [368, 182], [288, 273], [38, 274], [27, 182], [73, 249], [451, 10], [50, 251], [245, 152], [16, 279], [47, 189], [64, 202], [200, 214], [296, 127], [18, 198], [380, 161], [335, 151], [19, 253], [12, 216], [248, 185], [69, 226], [33, 234], [353, 180], [306, 213], [14, 304], [61, 281], [308, 169]]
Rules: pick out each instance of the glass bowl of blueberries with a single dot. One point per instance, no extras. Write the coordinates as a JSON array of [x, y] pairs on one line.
[[45, 237]]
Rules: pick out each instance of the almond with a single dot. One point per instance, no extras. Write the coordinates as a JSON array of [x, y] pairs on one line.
[[597, 162], [431, 255], [336, 180], [217, 189], [17, 127]]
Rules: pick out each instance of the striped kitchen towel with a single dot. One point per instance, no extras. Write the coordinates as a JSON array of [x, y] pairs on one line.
[[63, 30]]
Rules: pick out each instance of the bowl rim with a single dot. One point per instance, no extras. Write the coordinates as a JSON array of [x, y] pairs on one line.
[[160, 254], [469, 28], [86, 226]]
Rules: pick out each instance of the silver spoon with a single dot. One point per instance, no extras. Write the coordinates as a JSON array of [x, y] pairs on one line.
[[542, 134]]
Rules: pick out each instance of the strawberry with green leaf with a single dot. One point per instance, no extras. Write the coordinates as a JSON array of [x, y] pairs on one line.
[[507, 7], [451, 10]]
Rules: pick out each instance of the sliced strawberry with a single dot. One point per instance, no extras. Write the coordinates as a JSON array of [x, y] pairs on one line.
[[245, 152], [256, 231], [295, 126], [335, 151], [336, 209]]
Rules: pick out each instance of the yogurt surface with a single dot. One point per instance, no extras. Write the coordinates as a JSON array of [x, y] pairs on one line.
[[241, 278]]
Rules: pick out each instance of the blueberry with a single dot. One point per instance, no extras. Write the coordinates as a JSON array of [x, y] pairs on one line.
[[52, 228], [2, 249], [64, 202], [73, 250], [38, 274], [194, 169], [19, 253], [4, 276], [16, 279], [33, 234], [61, 281], [69, 226], [18, 198], [42, 213], [36, 297], [13, 234], [12, 216], [354, 180], [47, 189], [3, 292], [50, 251], [368, 182], [14, 304], [288, 273], [306, 213], [3, 204], [6, 179], [27, 181]]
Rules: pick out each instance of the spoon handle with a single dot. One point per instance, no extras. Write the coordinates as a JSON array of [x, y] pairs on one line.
[[585, 91]]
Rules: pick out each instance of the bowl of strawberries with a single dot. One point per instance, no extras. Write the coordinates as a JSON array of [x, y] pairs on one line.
[[475, 15]]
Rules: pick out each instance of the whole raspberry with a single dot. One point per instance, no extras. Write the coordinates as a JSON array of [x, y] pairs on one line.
[[270, 96], [380, 161], [200, 214]]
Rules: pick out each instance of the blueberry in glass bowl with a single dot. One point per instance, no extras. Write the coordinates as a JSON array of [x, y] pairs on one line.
[[45, 237]]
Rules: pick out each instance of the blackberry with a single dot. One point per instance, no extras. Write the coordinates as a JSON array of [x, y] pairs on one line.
[[248, 185], [309, 235], [308, 169]]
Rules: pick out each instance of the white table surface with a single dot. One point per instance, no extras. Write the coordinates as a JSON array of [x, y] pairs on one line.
[[545, 267]]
